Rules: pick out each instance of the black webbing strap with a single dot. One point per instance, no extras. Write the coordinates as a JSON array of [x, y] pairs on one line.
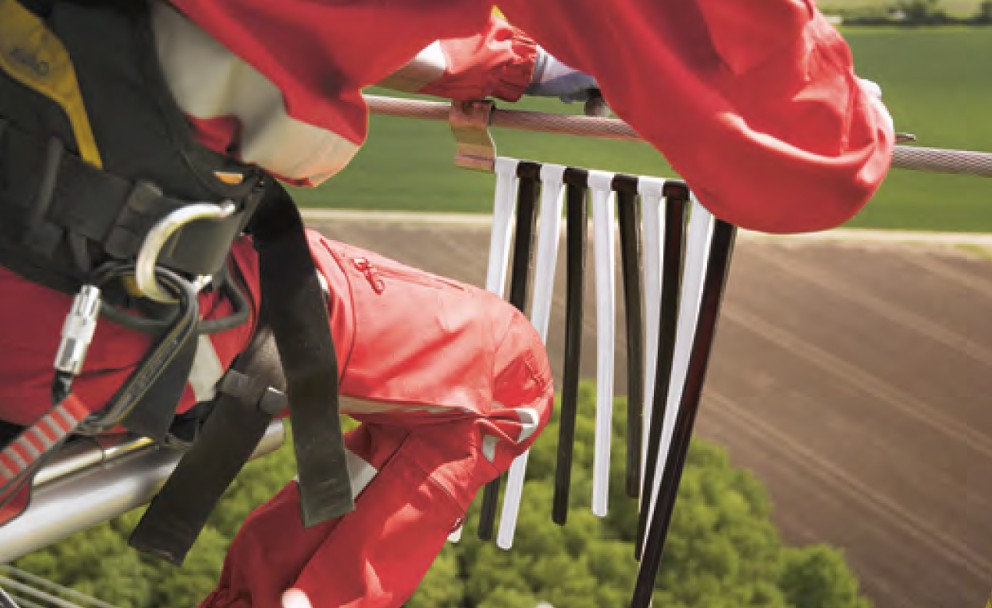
[[672, 261], [154, 413], [241, 414], [523, 248], [630, 258], [714, 281], [46, 193], [297, 313], [294, 318], [576, 239]]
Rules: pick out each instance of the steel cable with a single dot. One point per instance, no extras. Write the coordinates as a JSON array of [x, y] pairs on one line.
[[917, 158]]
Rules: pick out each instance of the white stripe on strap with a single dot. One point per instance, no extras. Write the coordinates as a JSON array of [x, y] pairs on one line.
[[651, 190], [604, 256], [697, 249], [504, 210], [552, 202]]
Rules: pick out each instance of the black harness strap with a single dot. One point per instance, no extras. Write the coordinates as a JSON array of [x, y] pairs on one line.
[[69, 196], [294, 330], [630, 256], [157, 408], [576, 237], [297, 312], [64, 219], [243, 410]]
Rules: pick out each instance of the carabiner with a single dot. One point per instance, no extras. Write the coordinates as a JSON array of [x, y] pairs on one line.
[[144, 273]]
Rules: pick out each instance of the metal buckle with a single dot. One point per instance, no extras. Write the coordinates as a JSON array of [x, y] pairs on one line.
[[158, 236]]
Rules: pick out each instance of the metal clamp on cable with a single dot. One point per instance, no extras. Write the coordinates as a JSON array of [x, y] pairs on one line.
[[159, 235], [469, 122]]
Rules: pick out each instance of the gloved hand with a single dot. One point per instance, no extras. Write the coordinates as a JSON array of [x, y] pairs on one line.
[[553, 78]]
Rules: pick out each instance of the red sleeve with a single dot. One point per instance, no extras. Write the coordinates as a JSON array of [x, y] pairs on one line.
[[754, 102]]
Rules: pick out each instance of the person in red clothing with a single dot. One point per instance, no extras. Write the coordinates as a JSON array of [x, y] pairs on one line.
[[755, 103]]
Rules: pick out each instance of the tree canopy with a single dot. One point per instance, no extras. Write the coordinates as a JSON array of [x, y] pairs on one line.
[[723, 549]]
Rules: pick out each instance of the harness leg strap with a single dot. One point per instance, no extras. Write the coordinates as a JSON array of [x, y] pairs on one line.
[[297, 312], [242, 411]]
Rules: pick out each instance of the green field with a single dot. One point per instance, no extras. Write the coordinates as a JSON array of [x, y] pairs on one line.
[[957, 8], [937, 83]]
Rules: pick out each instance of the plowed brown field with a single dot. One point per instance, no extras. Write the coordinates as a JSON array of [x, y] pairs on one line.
[[855, 380]]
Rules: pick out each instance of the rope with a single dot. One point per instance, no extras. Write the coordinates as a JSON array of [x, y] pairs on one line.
[[935, 160]]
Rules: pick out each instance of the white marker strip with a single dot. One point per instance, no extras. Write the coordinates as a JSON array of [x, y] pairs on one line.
[[697, 247], [651, 190], [504, 209], [552, 201], [604, 256]]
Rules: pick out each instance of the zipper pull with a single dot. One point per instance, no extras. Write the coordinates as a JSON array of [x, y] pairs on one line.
[[371, 274]]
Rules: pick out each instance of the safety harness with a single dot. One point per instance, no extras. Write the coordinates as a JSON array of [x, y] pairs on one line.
[[104, 193]]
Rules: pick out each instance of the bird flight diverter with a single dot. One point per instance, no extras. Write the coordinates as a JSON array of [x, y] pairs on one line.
[[668, 245]]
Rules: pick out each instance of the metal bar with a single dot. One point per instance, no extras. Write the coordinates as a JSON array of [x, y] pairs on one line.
[[936, 160], [720, 251], [604, 266], [43, 583], [29, 591], [523, 241], [552, 177], [668, 313], [576, 237], [632, 265], [97, 494], [26, 603]]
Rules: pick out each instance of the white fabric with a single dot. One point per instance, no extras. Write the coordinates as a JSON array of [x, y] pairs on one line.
[[604, 256], [552, 200], [208, 81], [360, 472], [651, 190], [701, 224], [295, 598], [502, 231], [429, 65], [206, 371]]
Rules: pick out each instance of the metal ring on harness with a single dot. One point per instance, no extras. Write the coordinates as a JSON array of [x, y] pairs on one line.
[[159, 235]]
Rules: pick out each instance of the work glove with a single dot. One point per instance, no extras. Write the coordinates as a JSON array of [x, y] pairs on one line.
[[552, 78]]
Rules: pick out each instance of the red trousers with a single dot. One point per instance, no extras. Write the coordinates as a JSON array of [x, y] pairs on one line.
[[449, 383]]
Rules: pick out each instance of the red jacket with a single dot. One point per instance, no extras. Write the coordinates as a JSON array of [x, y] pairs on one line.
[[754, 102]]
